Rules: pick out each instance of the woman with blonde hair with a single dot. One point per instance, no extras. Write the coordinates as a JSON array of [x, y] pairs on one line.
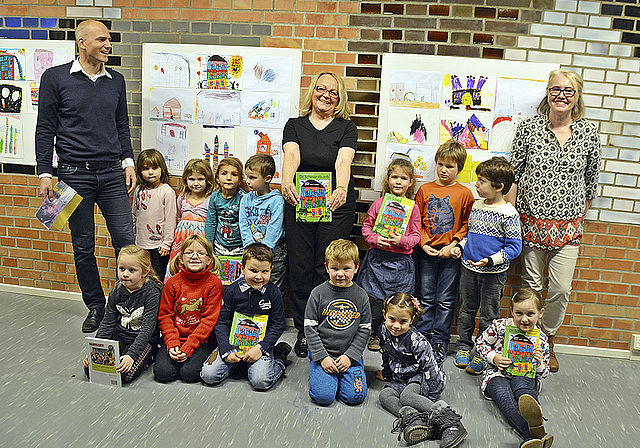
[[321, 139]]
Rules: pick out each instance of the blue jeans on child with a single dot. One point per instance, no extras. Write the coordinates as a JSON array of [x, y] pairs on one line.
[[263, 374], [350, 386], [439, 279], [506, 392], [478, 291]]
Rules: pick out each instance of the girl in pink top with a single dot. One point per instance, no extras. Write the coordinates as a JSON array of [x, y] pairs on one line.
[[388, 266]]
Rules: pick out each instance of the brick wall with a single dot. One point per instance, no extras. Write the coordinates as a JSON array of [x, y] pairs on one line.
[[600, 39]]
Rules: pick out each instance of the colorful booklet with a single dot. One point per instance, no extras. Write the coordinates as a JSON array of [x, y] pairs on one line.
[[314, 190], [519, 347], [104, 357], [247, 330], [393, 216], [229, 269], [55, 214]]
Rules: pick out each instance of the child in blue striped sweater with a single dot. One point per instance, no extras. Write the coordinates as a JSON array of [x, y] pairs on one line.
[[493, 240]]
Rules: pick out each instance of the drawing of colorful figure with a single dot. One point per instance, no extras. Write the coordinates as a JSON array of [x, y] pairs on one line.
[[266, 110], [217, 72], [10, 67], [10, 98], [471, 96], [264, 143]]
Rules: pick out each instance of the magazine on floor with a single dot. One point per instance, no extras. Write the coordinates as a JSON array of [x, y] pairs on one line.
[[104, 357]]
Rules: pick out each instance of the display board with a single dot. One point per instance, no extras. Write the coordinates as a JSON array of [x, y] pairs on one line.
[[210, 101], [22, 62], [427, 100]]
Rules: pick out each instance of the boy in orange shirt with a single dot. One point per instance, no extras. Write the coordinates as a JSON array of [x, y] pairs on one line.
[[444, 206]]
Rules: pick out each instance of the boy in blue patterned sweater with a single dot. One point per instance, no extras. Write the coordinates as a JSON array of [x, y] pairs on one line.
[[493, 240]]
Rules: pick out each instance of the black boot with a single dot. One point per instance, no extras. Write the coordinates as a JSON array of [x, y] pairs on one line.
[[447, 424], [413, 426]]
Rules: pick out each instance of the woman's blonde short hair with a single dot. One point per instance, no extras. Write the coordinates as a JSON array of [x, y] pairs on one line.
[[342, 108], [579, 108]]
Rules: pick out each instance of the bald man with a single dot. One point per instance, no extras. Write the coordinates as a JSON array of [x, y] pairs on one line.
[[82, 111]]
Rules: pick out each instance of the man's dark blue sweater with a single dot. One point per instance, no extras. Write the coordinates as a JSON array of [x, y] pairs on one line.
[[88, 119]]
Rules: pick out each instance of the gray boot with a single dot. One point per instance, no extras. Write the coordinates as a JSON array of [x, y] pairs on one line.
[[447, 424], [413, 426]]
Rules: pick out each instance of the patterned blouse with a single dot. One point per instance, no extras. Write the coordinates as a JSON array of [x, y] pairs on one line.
[[491, 342], [554, 182]]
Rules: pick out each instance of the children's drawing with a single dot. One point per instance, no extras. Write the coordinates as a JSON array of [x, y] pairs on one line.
[[11, 144], [172, 142], [468, 175], [220, 72], [470, 130], [502, 131], [516, 96], [266, 141], [34, 89], [272, 74], [171, 69], [468, 92], [171, 104], [40, 59], [10, 98], [218, 107], [12, 63], [413, 126], [415, 89], [218, 143], [265, 109], [422, 158]]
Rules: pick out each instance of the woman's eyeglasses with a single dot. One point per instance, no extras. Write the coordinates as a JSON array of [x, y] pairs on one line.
[[567, 91], [322, 90]]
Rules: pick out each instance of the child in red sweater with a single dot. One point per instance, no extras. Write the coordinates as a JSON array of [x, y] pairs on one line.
[[189, 310]]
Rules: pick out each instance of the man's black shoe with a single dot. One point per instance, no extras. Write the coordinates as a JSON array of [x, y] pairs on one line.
[[93, 319], [301, 348]]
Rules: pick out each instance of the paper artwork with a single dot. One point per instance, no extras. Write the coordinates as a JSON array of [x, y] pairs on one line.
[[171, 70], [272, 74], [219, 143], [11, 97], [502, 131], [422, 158], [468, 175], [171, 104], [516, 96], [415, 89], [219, 72], [266, 141], [218, 107], [413, 126], [40, 59], [468, 92], [172, 142], [34, 91], [265, 109], [12, 64], [472, 130], [11, 144]]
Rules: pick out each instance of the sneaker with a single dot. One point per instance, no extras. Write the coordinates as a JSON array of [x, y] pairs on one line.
[[476, 366], [301, 348], [281, 351], [440, 353], [462, 359], [374, 344]]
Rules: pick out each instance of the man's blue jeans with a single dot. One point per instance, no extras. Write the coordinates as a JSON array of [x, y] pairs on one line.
[[439, 279], [107, 188]]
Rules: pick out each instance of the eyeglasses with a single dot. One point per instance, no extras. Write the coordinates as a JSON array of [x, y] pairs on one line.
[[322, 90], [568, 91], [190, 254]]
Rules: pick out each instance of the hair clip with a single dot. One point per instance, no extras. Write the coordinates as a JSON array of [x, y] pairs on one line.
[[416, 303]]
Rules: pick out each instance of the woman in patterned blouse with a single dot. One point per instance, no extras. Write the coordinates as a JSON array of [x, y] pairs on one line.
[[556, 156]]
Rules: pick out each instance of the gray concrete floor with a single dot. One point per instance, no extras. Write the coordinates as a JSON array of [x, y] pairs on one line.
[[46, 401]]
